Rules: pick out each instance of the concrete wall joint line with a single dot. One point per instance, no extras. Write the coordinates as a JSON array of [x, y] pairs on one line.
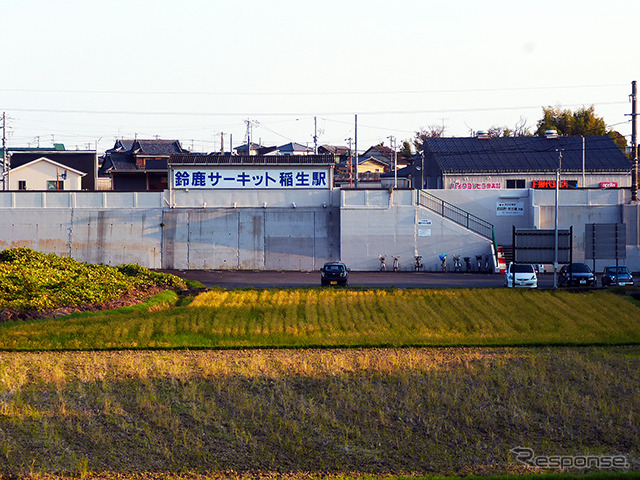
[[188, 239], [71, 233]]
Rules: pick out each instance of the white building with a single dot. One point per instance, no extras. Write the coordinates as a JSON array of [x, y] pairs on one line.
[[43, 174]]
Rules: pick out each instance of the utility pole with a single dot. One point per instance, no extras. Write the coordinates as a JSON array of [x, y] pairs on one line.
[[555, 247], [393, 145], [315, 136], [248, 122], [584, 157], [221, 143], [350, 162], [4, 150], [355, 163], [634, 143]]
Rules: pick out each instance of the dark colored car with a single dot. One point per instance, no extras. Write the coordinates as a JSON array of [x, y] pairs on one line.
[[577, 274], [334, 273], [621, 277]]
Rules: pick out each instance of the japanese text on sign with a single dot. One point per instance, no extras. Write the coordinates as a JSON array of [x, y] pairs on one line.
[[250, 178], [504, 209], [476, 185], [550, 184]]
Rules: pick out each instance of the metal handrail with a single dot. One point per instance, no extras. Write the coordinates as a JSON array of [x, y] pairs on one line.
[[457, 215]]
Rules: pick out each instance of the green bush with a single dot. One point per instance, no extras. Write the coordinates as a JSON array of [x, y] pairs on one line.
[[31, 280]]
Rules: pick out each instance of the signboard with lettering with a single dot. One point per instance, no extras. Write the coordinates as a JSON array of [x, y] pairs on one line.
[[551, 184], [507, 209], [608, 184], [249, 178], [476, 185]]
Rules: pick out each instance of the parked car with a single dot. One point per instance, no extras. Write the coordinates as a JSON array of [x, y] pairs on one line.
[[521, 275], [576, 274], [334, 273], [621, 277]]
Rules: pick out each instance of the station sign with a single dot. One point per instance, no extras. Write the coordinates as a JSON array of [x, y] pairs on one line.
[[250, 178]]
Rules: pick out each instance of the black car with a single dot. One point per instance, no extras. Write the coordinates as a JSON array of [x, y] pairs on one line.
[[576, 274], [334, 273]]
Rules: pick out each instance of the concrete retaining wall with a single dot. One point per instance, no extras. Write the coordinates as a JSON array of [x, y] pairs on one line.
[[255, 239], [377, 222], [576, 208], [109, 236], [265, 230], [139, 227]]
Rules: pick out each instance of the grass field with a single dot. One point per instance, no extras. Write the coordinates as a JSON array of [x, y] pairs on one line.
[[343, 317], [320, 412], [567, 384]]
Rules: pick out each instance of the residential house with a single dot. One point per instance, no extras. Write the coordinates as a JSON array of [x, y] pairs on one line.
[[84, 161], [137, 165], [387, 155], [293, 148], [381, 153], [252, 149], [337, 151], [369, 171], [43, 174]]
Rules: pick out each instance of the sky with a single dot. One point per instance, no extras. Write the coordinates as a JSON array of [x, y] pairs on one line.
[[85, 73]]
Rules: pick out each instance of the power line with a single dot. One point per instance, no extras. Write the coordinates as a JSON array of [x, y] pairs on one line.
[[361, 93], [292, 114]]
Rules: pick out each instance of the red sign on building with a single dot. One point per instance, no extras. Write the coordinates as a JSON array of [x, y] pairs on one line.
[[608, 184], [551, 184]]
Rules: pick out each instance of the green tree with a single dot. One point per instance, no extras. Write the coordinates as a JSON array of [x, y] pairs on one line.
[[405, 151], [617, 137], [582, 122]]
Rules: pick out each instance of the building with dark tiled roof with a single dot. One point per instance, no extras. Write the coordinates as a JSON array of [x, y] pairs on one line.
[[520, 162], [336, 150], [138, 165], [381, 153]]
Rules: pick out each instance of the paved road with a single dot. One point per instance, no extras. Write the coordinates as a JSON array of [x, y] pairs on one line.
[[270, 279]]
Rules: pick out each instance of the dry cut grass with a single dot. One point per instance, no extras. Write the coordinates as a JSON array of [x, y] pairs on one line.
[[277, 412]]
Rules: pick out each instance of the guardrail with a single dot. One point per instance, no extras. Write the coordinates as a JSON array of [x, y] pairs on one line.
[[457, 215]]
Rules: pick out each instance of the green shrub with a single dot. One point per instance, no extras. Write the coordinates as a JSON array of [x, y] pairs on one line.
[[145, 276], [31, 280]]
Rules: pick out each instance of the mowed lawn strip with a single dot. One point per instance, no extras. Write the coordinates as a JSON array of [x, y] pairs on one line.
[[344, 317], [314, 412]]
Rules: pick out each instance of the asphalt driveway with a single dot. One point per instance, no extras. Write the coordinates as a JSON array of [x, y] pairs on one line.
[[270, 279]]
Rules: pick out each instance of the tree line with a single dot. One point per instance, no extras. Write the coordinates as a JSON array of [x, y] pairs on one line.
[[581, 122]]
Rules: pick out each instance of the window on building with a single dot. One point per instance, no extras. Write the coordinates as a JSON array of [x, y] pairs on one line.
[[519, 183], [55, 184], [22, 184]]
